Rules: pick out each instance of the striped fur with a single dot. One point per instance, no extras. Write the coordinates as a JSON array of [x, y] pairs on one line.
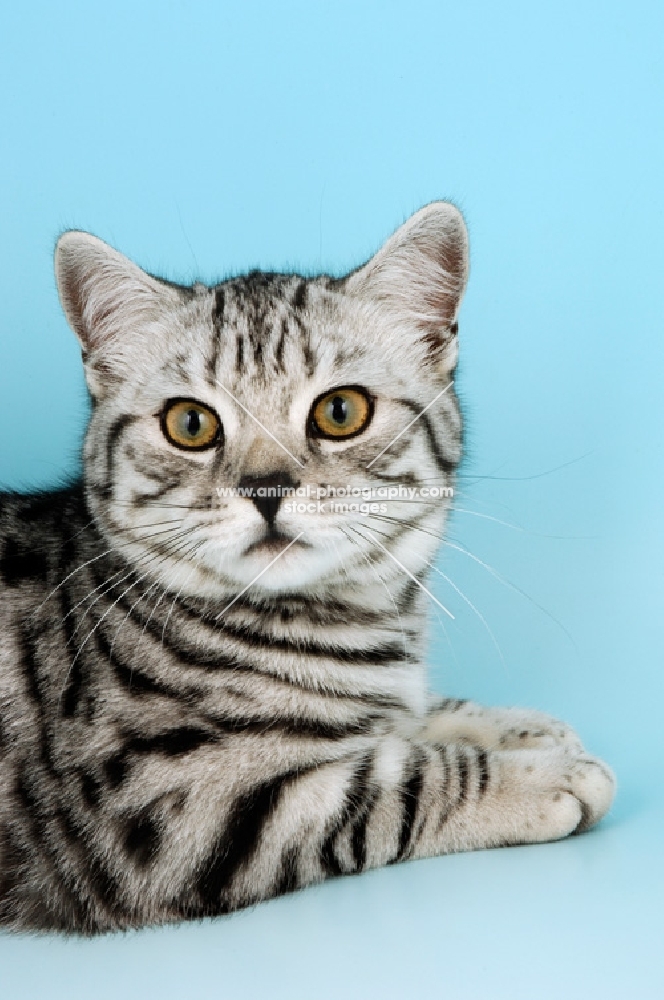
[[179, 738]]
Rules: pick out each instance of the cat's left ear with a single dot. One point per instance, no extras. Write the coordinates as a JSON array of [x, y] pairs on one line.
[[420, 275]]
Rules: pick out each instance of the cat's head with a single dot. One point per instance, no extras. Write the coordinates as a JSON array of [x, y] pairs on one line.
[[272, 384]]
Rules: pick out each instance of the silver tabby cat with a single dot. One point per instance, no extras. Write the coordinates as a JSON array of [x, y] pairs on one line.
[[211, 690]]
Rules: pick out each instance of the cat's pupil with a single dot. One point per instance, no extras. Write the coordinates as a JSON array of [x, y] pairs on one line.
[[193, 423], [339, 410]]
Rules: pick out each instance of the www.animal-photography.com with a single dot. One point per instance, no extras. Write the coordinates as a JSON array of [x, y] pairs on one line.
[[329, 652]]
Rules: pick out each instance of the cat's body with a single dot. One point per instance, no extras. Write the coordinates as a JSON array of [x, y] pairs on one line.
[[205, 699]]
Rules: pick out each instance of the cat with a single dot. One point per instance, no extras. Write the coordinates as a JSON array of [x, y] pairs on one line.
[[212, 680]]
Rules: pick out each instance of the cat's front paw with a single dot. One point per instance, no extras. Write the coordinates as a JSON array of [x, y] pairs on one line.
[[594, 786], [499, 728], [529, 729], [559, 792]]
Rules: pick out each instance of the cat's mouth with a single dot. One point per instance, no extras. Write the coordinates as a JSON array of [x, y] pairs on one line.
[[273, 542]]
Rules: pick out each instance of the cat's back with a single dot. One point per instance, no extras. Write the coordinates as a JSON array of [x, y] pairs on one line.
[[38, 535]]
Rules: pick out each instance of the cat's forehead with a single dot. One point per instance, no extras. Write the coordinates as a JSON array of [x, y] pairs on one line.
[[275, 326], [260, 304], [269, 336], [259, 293]]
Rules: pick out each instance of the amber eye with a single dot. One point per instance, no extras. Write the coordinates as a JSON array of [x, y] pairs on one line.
[[341, 413], [188, 424]]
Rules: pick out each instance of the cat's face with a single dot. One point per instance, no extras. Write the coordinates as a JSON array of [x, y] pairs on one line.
[[276, 385]]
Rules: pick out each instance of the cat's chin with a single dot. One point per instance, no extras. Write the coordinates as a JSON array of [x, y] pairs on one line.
[[274, 564], [281, 565]]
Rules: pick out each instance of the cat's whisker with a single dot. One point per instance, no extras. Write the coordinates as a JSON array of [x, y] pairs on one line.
[[141, 597], [409, 574], [525, 479], [490, 569], [141, 525], [73, 573], [109, 584], [98, 623], [78, 569], [87, 596], [412, 525], [91, 633], [472, 607], [164, 591], [112, 582], [99, 597], [164, 528], [434, 609], [167, 506], [508, 583], [259, 575], [517, 527], [184, 583], [183, 547], [374, 568]]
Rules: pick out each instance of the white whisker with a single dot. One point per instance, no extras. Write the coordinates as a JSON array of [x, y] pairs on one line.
[[473, 608]]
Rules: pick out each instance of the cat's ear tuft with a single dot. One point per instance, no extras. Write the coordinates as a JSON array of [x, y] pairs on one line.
[[420, 274], [102, 293]]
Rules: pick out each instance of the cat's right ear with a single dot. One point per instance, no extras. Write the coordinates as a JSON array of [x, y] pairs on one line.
[[104, 297]]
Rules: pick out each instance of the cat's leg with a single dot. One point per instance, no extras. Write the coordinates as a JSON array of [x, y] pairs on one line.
[[452, 720], [395, 800]]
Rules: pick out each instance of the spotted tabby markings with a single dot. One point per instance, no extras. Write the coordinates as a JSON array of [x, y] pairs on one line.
[[279, 349], [172, 743], [355, 814], [142, 838], [29, 666], [113, 440], [136, 683], [91, 789], [248, 639], [484, 773], [134, 680], [59, 834], [218, 308], [410, 802], [171, 708], [20, 561], [239, 838], [288, 876], [445, 464]]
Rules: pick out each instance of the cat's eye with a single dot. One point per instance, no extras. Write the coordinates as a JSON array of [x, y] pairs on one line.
[[188, 424], [341, 413]]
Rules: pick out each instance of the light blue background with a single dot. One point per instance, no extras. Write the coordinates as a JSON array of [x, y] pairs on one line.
[[203, 138]]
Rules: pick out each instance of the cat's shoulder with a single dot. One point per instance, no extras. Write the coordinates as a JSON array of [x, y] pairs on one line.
[[33, 527]]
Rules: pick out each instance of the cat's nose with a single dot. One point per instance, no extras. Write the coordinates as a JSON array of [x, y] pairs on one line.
[[267, 492]]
